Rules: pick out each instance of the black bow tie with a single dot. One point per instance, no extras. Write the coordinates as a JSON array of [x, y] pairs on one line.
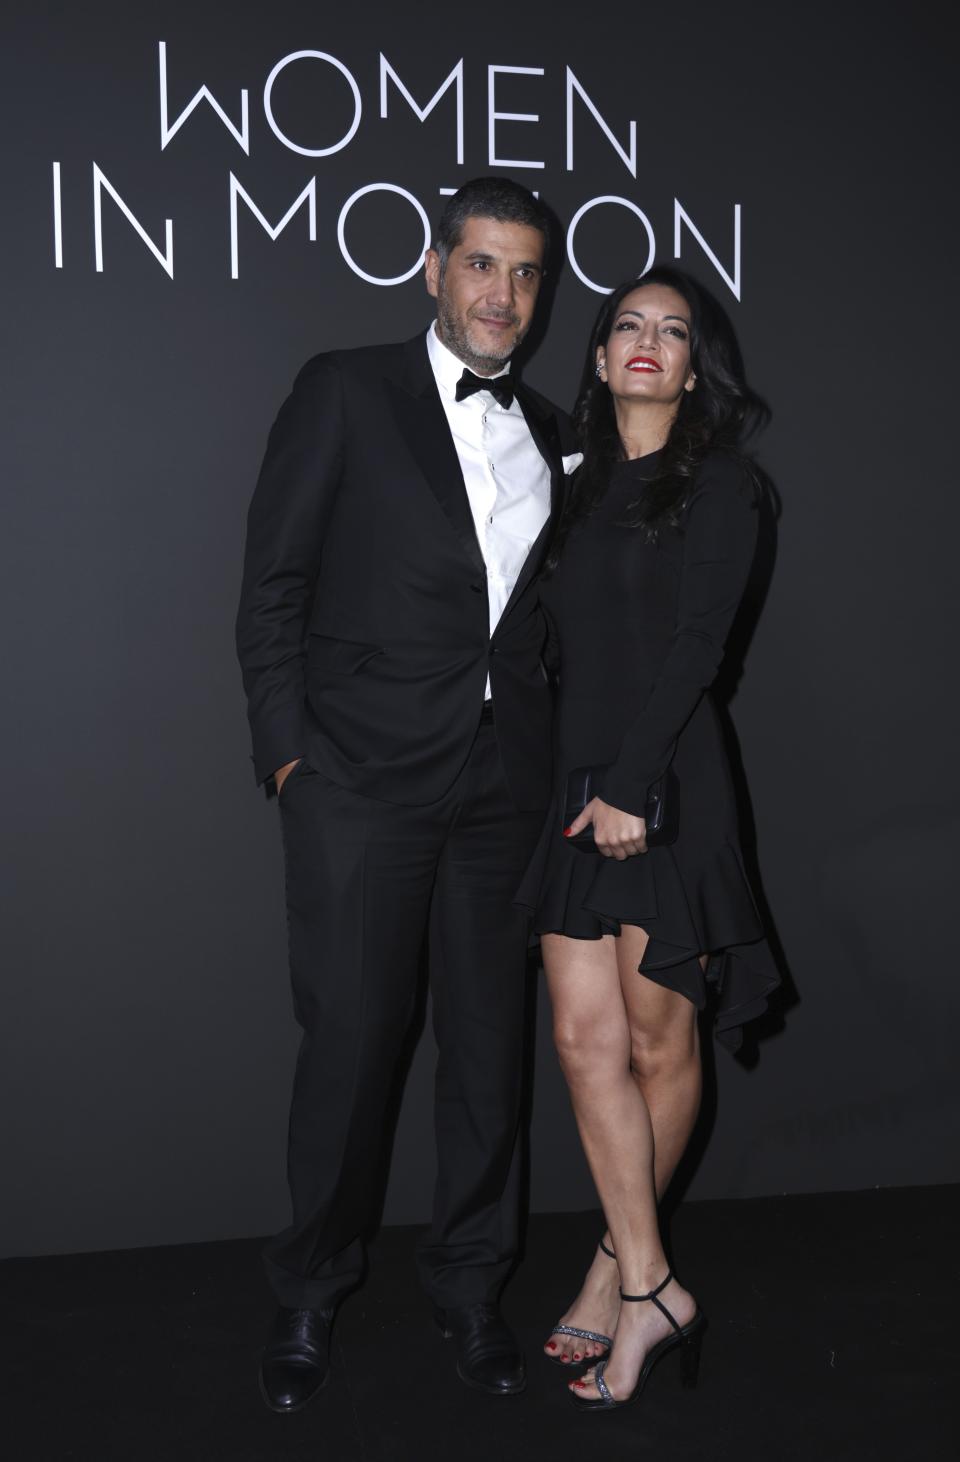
[[500, 387]]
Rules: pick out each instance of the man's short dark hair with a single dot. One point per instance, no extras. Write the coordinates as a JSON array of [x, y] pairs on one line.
[[498, 198]]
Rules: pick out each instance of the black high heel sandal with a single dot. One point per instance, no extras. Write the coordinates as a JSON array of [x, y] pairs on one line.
[[572, 1330], [689, 1337]]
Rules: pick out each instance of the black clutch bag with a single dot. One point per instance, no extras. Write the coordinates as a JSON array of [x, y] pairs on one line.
[[661, 812]]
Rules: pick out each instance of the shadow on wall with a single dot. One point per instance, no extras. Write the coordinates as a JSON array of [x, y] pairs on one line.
[[887, 894], [724, 692], [890, 891]]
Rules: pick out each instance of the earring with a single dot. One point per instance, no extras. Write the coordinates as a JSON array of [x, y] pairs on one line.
[[600, 365]]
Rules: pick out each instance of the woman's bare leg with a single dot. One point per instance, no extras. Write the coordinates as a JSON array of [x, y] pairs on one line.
[[592, 1033], [664, 1061], [612, 1034]]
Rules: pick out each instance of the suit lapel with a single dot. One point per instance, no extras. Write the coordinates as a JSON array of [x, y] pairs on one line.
[[543, 429], [423, 424]]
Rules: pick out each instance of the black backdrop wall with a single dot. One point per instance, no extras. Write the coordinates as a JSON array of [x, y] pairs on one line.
[[791, 156]]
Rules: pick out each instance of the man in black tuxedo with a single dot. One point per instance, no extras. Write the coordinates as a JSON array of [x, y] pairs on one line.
[[390, 641]]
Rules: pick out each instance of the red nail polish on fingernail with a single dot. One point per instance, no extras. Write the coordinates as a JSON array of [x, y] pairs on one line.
[[567, 831]]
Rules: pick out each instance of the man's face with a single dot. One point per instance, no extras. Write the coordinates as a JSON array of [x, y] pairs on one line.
[[488, 291]]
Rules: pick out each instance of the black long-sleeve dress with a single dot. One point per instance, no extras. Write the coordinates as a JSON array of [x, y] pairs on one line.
[[640, 629]]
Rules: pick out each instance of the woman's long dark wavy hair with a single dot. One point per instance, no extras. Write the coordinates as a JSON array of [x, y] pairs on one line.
[[720, 411]]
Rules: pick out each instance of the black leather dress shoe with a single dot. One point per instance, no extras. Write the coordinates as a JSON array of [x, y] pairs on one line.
[[296, 1362], [488, 1356]]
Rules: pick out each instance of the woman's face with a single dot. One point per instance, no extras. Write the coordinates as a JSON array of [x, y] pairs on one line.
[[647, 354]]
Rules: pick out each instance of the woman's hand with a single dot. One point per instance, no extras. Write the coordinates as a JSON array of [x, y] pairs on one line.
[[617, 834]]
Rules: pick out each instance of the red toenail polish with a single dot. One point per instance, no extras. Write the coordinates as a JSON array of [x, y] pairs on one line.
[[551, 1345], [576, 1355]]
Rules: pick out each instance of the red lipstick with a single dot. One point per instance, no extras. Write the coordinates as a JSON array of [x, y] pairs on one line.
[[643, 363]]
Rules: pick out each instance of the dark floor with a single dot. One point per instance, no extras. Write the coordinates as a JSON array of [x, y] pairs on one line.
[[833, 1337]]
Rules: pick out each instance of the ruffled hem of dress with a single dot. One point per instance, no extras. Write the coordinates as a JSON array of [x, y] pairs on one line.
[[707, 910]]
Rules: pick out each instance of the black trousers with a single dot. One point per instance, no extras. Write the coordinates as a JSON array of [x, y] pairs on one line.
[[367, 882]]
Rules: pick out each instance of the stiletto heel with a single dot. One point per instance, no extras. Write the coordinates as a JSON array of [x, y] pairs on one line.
[[690, 1358], [688, 1337], [572, 1330]]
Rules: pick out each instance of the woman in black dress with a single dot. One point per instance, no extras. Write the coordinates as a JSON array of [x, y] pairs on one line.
[[651, 562]]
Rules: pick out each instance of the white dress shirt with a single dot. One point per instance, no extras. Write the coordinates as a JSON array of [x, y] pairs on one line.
[[507, 480]]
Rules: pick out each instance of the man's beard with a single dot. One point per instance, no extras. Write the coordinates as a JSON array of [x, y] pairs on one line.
[[455, 336]]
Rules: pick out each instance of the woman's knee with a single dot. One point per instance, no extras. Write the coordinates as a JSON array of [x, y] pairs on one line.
[[663, 1044], [588, 1045]]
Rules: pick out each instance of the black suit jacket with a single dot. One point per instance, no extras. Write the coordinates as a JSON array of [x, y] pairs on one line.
[[363, 629]]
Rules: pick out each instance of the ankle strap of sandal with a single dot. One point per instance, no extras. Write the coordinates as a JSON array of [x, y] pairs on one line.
[[636, 1298], [609, 1252]]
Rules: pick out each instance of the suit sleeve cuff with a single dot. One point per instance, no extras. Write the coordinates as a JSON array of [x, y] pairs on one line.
[[625, 791]]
